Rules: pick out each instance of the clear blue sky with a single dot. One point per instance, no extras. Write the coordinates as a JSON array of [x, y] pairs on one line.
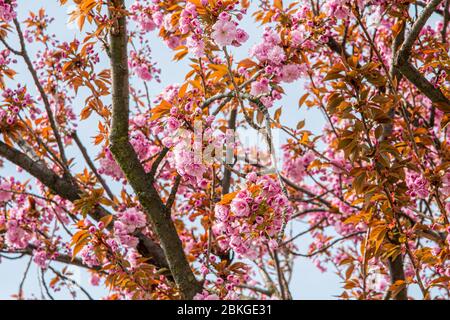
[[307, 283]]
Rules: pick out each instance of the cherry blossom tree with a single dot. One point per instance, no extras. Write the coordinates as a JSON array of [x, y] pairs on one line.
[[174, 204]]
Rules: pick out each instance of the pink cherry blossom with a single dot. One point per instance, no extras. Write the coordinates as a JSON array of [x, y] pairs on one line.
[[224, 32], [260, 87], [291, 72]]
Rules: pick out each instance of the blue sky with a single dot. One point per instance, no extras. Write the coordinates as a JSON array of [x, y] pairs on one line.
[[307, 283]]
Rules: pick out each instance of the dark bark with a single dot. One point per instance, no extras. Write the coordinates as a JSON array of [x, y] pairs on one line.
[[67, 190], [396, 266], [396, 273], [425, 86], [409, 71], [128, 161], [401, 48]]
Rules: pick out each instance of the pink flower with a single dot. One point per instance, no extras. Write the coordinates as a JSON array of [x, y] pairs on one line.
[[122, 232], [308, 157], [271, 37], [158, 18], [291, 72], [297, 167], [129, 220], [143, 73], [224, 16], [129, 241], [252, 176], [260, 87], [224, 32], [40, 258], [240, 207], [260, 51], [267, 101], [109, 166], [191, 9], [276, 55], [221, 212], [147, 23], [296, 37], [172, 124], [185, 163], [184, 25], [248, 230], [7, 12], [142, 66], [205, 295], [196, 170], [95, 279], [338, 8], [173, 42], [88, 256], [16, 237], [197, 47], [241, 36], [203, 184], [133, 219], [5, 195], [417, 185]]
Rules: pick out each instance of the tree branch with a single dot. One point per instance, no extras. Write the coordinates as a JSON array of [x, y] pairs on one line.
[[92, 165], [67, 190], [325, 248], [409, 71], [128, 161], [397, 274], [64, 278], [424, 4], [51, 119]]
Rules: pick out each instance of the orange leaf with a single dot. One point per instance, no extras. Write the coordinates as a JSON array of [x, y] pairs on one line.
[[160, 110], [246, 63], [107, 220], [226, 199]]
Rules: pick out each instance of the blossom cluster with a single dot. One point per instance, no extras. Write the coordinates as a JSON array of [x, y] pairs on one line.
[[16, 236], [187, 133], [187, 153], [296, 166], [251, 218], [272, 55], [5, 186], [146, 15], [189, 28], [109, 166], [143, 68], [274, 60], [225, 31], [417, 184], [14, 102], [185, 162], [89, 256], [149, 17], [128, 221], [141, 144], [7, 12]]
